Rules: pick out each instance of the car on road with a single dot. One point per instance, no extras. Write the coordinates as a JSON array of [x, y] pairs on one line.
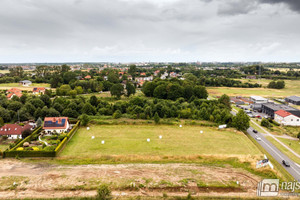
[[258, 138], [255, 131], [286, 163]]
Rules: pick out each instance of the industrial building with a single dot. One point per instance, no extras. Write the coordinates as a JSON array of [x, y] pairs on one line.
[[293, 99], [271, 108]]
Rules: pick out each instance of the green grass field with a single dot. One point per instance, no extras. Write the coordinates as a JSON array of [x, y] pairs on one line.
[[129, 141], [292, 88], [7, 86], [3, 147]]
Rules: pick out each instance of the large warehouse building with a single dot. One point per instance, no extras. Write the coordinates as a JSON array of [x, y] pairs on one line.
[[271, 108], [293, 99]]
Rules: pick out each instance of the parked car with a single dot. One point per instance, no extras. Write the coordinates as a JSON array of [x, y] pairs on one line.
[[254, 131], [286, 163]]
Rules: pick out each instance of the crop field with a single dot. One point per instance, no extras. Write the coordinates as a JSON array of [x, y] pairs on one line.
[[129, 143], [292, 87], [7, 86]]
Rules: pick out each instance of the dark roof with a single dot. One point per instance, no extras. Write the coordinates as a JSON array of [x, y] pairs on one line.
[[276, 107], [293, 98], [55, 122]]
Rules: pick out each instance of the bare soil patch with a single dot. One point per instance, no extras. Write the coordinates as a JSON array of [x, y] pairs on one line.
[[26, 180]]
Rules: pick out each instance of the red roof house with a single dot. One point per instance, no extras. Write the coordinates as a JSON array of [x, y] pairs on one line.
[[58, 124], [38, 90], [87, 77], [13, 92], [283, 113], [14, 131]]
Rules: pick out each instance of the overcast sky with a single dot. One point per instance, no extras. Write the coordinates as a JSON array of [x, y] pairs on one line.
[[149, 30]]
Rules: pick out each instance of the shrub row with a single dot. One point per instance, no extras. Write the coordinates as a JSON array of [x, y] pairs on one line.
[[61, 145], [74, 129], [14, 153]]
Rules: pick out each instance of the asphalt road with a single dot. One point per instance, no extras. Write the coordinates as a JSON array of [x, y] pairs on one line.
[[294, 169]]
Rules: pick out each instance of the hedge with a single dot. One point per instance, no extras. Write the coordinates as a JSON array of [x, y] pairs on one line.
[[61, 145], [20, 154], [74, 129], [67, 138]]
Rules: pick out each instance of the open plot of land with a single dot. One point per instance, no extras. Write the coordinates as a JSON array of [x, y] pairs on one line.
[[129, 143], [292, 87], [7, 86], [52, 181]]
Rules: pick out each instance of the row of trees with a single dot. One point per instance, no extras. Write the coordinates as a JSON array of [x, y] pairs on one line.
[[174, 89], [32, 107]]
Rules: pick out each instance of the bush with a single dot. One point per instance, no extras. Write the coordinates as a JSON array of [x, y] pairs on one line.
[[298, 136], [117, 114], [264, 122], [156, 118], [104, 193]]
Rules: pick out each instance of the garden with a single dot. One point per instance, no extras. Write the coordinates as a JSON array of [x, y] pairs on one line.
[[40, 144]]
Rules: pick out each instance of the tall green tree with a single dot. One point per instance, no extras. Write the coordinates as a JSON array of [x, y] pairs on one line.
[[241, 121], [130, 89], [117, 90], [132, 71], [200, 92]]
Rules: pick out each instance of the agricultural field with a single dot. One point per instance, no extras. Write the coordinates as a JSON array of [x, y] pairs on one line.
[[129, 143], [292, 87], [7, 86]]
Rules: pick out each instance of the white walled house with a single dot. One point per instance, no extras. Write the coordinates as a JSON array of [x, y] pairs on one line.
[[56, 124], [14, 131], [285, 118]]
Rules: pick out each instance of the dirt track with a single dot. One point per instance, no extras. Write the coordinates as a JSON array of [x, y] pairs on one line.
[[19, 179]]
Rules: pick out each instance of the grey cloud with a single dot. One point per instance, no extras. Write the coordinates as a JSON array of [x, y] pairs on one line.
[[236, 7], [293, 4], [143, 30]]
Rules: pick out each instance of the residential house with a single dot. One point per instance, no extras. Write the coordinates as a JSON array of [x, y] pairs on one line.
[[38, 90], [164, 75], [56, 124], [286, 118], [87, 77], [156, 72], [13, 92], [14, 131], [25, 83]]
